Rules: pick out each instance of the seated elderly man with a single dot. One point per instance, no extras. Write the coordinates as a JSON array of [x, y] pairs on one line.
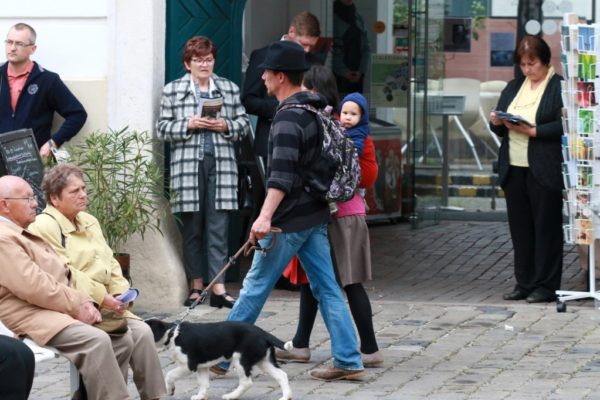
[[36, 299]]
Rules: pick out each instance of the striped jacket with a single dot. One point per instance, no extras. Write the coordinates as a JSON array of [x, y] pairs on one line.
[[294, 141], [177, 105]]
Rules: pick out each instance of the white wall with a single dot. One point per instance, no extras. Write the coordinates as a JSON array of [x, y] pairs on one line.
[[72, 40], [135, 81], [111, 54], [71, 34]]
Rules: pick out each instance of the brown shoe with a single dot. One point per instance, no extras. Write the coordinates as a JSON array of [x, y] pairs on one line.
[[293, 354], [215, 369], [336, 374], [372, 360]]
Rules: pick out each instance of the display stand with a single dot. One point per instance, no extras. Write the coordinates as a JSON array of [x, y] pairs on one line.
[[581, 145], [449, 106]]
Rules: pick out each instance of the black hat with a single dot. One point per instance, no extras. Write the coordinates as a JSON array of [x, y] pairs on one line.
[[285, 56]]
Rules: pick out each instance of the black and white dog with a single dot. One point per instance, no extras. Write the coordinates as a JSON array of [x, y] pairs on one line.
[[198, 346]]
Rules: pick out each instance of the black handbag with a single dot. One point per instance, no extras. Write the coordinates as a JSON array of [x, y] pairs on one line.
[[245, 195]]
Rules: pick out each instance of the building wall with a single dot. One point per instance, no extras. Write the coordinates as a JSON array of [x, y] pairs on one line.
[[111, 54], [476, 63]]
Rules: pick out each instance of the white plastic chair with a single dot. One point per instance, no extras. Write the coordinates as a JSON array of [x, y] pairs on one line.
[[399, 117], [470, 89], [489, 95]]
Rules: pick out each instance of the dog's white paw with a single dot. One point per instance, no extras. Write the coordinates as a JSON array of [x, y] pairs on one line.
[[229, 396], [286, 397], [199, 397], [170, 388]]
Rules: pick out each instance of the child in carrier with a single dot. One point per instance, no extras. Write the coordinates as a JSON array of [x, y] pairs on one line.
[[354, 116]]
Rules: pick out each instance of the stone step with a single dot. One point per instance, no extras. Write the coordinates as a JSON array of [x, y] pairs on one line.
[[458, 179], [458, 190]]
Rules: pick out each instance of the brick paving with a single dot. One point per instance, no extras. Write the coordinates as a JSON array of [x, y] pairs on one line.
[[440, 320]]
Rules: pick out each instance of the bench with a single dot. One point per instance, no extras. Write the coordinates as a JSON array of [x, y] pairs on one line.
[[44, 353]]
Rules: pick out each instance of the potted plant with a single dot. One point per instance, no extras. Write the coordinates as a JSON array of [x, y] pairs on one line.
[[124, 183]]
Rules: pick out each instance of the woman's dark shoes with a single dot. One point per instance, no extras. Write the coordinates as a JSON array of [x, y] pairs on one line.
[[190, 300], [537, 297], [221, 300], [514, 295]]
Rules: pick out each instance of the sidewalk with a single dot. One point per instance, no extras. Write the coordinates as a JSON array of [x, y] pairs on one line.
[[441, 323]]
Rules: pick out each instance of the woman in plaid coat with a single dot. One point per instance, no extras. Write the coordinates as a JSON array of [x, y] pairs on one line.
[[203, 164]]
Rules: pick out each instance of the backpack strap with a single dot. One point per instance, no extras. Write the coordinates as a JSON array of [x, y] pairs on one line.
[[63, 238], [296, 105]]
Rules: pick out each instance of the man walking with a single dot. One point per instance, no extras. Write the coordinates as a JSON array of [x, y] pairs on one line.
[[30, 94], [305, 30], [294, 141]]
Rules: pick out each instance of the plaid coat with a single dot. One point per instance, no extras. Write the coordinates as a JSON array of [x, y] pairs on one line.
[[177, 105]]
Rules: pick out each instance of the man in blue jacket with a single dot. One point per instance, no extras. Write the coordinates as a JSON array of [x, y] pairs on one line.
[[29, 94]]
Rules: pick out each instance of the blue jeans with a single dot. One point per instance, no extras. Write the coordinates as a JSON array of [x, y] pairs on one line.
[[312, 247]]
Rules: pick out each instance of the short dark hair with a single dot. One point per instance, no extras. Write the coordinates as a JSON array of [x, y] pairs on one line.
[[320, 79], [306, 24], [198, 46], [21, 26], [534, 47], [295, 77], [56, 179]]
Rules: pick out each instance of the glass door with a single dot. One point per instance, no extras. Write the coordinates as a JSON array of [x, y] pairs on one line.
[[424, 143]]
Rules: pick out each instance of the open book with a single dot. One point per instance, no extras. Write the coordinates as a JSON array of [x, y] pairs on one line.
[[210, 108], [512, 118]]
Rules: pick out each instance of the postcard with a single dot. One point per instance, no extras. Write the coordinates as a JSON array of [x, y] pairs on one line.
[[569, 171], [584, 149], [585, 121], [565, 39], [585, 175], [586, 67], [565, 148], [584, 210], [586, 94], [584, 231], [586, 38]]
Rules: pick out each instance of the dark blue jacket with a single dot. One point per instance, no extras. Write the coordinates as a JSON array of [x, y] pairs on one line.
[[43, 94]]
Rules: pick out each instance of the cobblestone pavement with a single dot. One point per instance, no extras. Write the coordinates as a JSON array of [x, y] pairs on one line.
[[440, 322]]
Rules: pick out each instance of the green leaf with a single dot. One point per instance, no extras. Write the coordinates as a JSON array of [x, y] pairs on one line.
[[124, 182]]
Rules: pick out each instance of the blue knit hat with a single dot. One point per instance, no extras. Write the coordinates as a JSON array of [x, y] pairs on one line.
[[361, 101]]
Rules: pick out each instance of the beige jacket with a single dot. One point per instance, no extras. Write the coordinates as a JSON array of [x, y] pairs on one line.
[[35, 297], [95, 270]]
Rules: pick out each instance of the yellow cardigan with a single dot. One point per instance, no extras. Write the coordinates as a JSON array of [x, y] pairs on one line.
[[94, 270]]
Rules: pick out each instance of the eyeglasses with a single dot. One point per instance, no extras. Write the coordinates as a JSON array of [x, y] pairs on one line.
[[29, 199], [206, 61], [9, 43]]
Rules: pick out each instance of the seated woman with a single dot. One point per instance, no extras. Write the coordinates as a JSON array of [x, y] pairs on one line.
[[76, 235]]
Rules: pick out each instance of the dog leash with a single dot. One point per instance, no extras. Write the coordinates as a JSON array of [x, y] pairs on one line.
[[246, 249]]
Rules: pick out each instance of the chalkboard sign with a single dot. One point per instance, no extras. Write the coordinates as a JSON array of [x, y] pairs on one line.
[[19, 155]]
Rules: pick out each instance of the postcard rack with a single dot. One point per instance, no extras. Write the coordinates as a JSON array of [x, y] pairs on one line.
[[580, 145]]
